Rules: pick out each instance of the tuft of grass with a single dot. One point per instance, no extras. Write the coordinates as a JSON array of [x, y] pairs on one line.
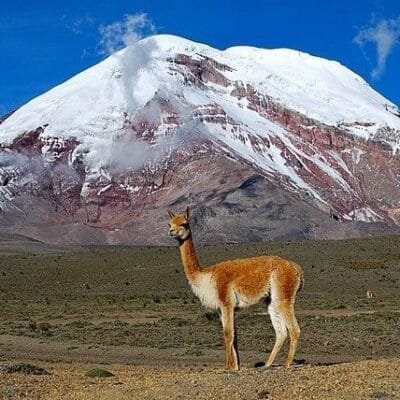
[[24, 368], [80, 324], [211, 316], [45, 329], [195, 350], [6, 392], [376, 394], [156, 299], [99, 373], [264, 394], [365, 264]]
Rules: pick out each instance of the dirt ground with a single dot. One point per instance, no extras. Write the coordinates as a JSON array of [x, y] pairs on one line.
[[131, 312], [376, 379]]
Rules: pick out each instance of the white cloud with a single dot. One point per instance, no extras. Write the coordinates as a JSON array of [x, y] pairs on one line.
[[124, 33], [384, 35], [79, 26]]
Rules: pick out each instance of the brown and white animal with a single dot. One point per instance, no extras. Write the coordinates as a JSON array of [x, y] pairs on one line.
[[240, 283]]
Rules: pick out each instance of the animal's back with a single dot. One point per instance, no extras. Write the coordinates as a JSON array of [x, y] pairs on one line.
[[263, 265], [251, 278]]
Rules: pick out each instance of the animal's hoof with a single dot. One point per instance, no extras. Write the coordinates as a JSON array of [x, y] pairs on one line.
[[263, 367], [232, 370], [295, 364], [268, 367]]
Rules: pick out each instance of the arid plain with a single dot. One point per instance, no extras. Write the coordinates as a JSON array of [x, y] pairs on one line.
[[130, 311]]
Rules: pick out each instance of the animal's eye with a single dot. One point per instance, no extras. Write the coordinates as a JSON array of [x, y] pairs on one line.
[[185, 225]]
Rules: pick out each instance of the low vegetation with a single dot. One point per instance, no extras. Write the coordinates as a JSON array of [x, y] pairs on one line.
[[95, 305], [134, 296]]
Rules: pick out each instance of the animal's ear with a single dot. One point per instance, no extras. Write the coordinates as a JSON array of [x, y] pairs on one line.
[[171, 214], [187, 214]]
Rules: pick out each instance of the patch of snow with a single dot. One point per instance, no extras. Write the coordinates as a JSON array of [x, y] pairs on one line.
[[130, 188], [364, 214], [323, 164], [93, 106], [355, 154], [104, 189]]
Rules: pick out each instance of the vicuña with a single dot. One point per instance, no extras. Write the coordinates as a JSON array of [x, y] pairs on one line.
[[240, 283]]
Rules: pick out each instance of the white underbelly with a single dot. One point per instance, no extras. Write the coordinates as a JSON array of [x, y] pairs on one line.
[[243, 301]]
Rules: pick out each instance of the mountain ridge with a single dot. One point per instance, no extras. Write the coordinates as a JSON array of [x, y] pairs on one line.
[[110, 142]]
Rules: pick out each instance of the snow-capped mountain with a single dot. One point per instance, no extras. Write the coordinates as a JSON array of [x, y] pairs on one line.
[[168, 121]]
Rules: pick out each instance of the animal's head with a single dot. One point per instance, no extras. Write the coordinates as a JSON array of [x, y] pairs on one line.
[[179, 225]]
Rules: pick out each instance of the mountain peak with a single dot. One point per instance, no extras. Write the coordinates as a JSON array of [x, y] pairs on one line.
[[309, 124], [94, 99]]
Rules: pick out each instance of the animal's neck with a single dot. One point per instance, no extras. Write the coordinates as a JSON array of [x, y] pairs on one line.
[[189, 259]]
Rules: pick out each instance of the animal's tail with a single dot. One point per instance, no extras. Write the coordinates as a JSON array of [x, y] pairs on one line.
[[301, 276]]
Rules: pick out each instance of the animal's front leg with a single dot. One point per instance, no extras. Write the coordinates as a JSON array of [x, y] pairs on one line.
[[227, 319]]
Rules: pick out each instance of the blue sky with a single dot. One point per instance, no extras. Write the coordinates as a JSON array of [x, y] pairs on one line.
[[43, 43]]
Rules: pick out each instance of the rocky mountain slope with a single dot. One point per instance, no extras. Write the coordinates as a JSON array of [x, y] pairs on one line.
[[264, 144]]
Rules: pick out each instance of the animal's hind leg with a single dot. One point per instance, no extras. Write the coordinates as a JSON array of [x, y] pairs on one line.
[[294, 332], [278, 322]]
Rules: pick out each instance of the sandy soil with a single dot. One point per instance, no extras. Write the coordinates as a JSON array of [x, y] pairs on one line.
[[361, 380]]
